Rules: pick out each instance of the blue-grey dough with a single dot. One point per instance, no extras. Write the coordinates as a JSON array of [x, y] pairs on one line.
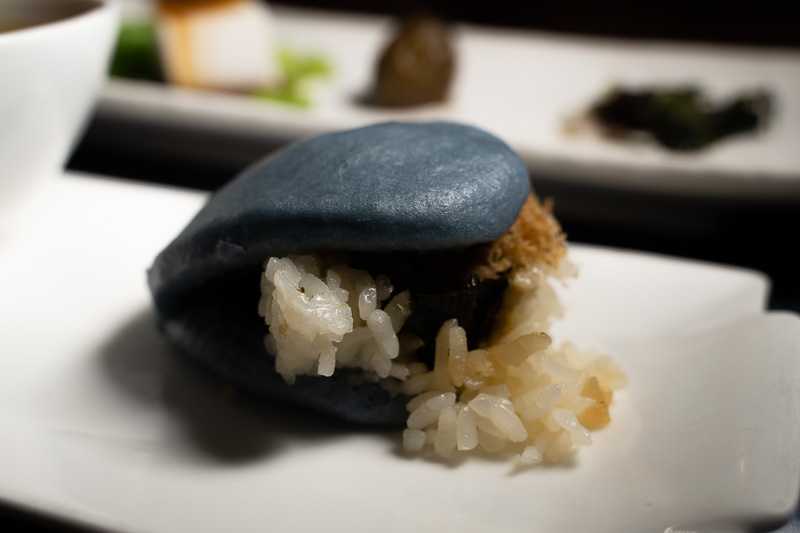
[[381, 188]]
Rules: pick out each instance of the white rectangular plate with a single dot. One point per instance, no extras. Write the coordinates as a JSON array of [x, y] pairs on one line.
[[521, 86], [101, 424]]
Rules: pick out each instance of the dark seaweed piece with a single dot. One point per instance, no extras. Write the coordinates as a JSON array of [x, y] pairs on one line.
[[442, 285], [680, 119], [474, 306], [417, 65], [746, 113], [429, 272]]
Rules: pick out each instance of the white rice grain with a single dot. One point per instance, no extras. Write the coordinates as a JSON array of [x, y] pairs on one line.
[[466, 429], [428, 412], [530, 456], [413, 440], [380, 325], [442, 351], [446, 436], [312, 327], [501, 412], [399, 309], [491, 443], [327, 361], [457, 357], [367, 302], [559, 447], [419, 383]]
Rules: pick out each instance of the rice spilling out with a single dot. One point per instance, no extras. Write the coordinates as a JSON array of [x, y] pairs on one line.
[[320, 318], [511, 390]]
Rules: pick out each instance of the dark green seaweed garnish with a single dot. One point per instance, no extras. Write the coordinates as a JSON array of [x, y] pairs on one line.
[[680, 119]]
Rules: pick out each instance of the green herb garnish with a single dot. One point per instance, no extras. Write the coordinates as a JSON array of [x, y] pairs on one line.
[[136, 55], [296, 70]]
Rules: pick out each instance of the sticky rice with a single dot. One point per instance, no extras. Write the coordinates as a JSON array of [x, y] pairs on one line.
[[512, 390]]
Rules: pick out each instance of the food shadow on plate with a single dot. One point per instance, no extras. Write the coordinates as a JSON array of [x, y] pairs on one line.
[[207, 419]]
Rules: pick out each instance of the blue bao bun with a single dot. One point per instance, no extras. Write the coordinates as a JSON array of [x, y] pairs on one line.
[[389, 187]]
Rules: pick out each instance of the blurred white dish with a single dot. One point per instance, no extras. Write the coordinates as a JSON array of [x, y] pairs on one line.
[[521, 86], [53, 67], [102, 425]]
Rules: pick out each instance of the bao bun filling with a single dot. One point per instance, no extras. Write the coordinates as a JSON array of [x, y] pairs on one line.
[[463, 333]]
